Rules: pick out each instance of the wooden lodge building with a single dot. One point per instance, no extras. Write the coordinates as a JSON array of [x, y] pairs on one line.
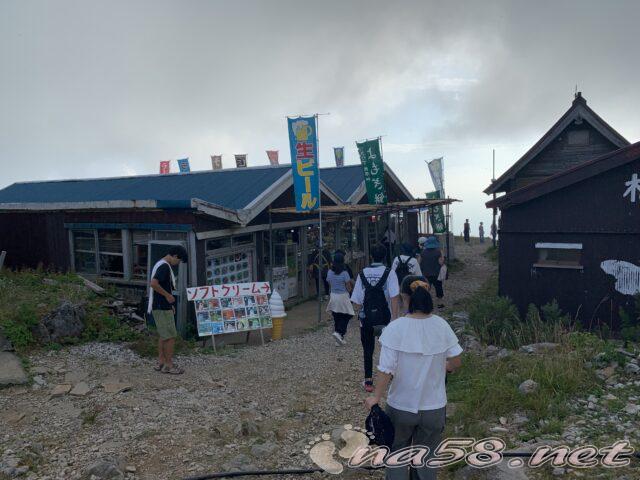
[[114, 229], [570, 220]]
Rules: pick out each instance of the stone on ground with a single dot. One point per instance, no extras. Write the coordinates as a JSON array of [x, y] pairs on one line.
[[11, 370], [65, 321], [60, 390], [80, 390], [528, 386]]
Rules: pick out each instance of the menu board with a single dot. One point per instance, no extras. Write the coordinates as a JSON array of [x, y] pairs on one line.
[[230, 268], [231, 308]]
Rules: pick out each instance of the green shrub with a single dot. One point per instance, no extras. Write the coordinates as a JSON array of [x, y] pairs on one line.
[[494, 319], [18, 323]]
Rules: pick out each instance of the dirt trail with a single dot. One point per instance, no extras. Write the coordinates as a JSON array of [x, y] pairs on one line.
[[258, 407]]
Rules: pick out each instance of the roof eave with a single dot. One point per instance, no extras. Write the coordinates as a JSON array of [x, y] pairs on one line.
[[94, 205]]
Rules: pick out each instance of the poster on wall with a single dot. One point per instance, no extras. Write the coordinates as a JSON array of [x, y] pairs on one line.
[[231, 308], [230, 268], [280, 281]]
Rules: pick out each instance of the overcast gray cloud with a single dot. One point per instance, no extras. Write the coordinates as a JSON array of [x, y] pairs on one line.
[[99, 88]]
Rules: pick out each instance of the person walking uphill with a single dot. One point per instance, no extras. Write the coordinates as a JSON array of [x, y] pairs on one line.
[[376, 296], [417, 351], [431, 263], [162, 306], [340, 306], [467, 231]]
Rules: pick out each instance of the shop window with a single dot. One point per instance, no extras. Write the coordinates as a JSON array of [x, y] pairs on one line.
[[559, 255], [84, 251], [140, 253], [110, 253], [243, 240], [218, 243]]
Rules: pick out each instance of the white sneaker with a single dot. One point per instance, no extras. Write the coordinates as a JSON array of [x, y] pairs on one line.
[[338, 338]]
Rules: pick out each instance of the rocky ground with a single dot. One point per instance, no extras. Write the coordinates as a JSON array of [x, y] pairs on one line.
[[254, 409]]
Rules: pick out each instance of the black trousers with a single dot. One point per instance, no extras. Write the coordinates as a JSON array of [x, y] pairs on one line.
[[340, 322], [368, 339], [433, 280]]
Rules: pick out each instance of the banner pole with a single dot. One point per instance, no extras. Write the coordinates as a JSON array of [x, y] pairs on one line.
[[320, 240]]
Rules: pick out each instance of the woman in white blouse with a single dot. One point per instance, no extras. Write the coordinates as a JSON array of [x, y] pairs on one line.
[[417, 351]]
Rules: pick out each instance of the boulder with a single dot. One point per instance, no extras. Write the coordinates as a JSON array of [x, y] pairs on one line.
[[104, 469], [65, 321], [528, 386], [11, 370], [631, 368], [542, 347], [5, 344]]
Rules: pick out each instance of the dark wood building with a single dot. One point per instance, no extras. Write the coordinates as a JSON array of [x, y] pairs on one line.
[[578, 136], [575, 237]]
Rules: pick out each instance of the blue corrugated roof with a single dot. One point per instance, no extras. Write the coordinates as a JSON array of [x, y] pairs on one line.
[[233, 188], [343, 180]]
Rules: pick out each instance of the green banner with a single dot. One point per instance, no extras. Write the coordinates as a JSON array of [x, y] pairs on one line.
[[436, 214], [373, 167]]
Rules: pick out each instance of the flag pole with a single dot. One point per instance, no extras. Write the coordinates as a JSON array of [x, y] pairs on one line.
[[320, 240]]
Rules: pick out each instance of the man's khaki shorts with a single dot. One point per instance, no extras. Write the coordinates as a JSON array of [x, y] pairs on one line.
[[165, 324]]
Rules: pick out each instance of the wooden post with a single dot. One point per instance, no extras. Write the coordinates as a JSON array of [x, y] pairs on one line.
[[3, 254]]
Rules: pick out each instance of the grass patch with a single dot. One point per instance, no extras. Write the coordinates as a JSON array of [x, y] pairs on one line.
[[28, 295], [492, 254], [484, 389], [496, 320], [455, 266]]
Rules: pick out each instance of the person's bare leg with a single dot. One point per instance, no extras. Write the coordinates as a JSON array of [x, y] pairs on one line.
[[161, 358], [168, 352]]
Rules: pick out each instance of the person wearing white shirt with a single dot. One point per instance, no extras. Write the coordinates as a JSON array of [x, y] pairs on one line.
[[417, 352], [406, 256], [373, 274]]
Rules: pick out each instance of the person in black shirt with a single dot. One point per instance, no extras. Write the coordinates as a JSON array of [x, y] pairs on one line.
[[162, 305]]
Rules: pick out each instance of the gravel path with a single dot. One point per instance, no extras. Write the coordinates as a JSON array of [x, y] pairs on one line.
[[255, 409]]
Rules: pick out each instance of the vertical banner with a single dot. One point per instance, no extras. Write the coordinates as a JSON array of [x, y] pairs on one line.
[[303, 142], [273, 157], [216, 162], [183, 164], [165, 167], [241, 160], [373, 167], [437, 175], [339, 154], [436, 214]]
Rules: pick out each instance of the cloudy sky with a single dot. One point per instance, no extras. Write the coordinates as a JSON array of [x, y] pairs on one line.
[[109, 88]]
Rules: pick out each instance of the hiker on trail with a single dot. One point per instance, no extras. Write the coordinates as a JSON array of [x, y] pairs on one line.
[[467, 231], [417, 351], [340, 284], [346, 265], [405, 263], [481, 232], [162, 306], [376, 298], [323, 263], [432, 263], [421, 242]]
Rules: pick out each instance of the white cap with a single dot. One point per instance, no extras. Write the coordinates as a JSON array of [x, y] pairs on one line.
[[422, 240]]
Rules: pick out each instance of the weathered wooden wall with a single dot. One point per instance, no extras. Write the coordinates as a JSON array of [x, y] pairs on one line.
[[592, 212], [559, 155]]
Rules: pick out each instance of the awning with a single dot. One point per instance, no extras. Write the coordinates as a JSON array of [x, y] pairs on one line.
[[368, 209]]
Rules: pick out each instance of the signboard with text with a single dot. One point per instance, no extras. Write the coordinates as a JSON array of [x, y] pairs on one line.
[[231, 308], [373, 168]]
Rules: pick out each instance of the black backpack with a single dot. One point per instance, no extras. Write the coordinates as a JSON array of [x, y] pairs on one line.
[[376, 308], [402, 270]]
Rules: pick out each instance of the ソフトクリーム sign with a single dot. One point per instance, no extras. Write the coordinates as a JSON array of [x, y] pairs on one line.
[[231, 308]]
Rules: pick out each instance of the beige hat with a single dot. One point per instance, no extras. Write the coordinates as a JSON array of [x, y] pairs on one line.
[[422, 240]]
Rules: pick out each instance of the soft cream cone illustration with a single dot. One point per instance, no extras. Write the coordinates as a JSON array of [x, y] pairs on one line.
[[277, 315]]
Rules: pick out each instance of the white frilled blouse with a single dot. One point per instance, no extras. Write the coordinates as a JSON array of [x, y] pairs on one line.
[[415, 351]]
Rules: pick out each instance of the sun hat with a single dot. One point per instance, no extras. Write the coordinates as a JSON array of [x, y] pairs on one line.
[[432, 242]]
